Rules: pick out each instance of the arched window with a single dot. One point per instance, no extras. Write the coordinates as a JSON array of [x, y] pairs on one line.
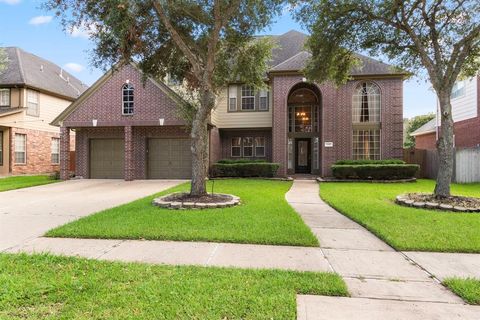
[[127, 100], [366, 108]]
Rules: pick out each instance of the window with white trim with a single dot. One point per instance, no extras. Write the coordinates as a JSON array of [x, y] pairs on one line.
[[55, 150], [366, 144], [4, 97], [20, 148], [33, 108], [127, 100], [458, 90], [248, 97], [232, 98], [236, 150], [263, 100], [1, 148], [260, 147], [366, 103], [248, 147]]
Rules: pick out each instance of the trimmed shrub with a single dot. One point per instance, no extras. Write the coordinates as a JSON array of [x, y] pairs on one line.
[[359, 162], [375, 171], [252, 169], [233, 161]]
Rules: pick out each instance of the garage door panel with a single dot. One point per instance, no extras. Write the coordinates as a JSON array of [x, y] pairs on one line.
[[107, 158], [169, 159]]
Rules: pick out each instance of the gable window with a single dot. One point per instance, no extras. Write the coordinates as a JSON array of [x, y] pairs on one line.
[[263, 100], [248, 98], [1, 148], [236, 147], [55, 150], [366, 103], [32, 103], [248, 147], [458, 90], [4, 97], [127, 91], [20, 148], [232, 98], [260, 147]]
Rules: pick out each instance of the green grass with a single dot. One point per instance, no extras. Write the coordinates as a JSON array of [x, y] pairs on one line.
[[264, 217], [19, 182], [468, 289], [404, 228], [48, 287]]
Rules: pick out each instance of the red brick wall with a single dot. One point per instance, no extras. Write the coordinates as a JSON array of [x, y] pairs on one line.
[[426, 141], [336, 120]]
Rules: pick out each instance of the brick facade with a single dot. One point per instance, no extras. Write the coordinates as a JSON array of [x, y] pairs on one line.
[[426, 141]]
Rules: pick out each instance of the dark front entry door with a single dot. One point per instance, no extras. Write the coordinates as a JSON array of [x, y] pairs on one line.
[[302, 156]]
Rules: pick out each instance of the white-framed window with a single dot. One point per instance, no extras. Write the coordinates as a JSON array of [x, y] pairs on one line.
[[20, 148], [366, 144], [127, 99], [236, 150], [232, 98], [260, 147], [248, 98], [4, 97], [33, 108], [247, 147], [458, 90], [1, 148], [366, 103], [55, 150], [263, 100]]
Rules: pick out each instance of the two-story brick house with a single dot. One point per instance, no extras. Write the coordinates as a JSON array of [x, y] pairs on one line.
[[128, 129], [33, 91]]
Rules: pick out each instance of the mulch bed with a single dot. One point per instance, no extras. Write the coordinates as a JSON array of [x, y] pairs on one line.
[[429, 201], [209, 198]]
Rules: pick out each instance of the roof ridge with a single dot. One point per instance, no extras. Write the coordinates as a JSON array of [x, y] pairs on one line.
[[284, 61], [20, 64]]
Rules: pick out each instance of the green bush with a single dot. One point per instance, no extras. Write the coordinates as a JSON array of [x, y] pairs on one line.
[[358, 162], [233, 161], [252, 169], [375, 171]]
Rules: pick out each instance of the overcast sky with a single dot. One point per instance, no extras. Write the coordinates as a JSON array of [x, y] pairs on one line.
[[26, 26]]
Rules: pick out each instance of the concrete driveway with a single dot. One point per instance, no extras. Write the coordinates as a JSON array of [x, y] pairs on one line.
[[28, 213]]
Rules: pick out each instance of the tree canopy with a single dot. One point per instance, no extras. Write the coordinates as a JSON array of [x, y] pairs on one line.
[[412, 125]]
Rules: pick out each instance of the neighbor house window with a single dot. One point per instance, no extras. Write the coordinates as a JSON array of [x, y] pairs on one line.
[[236, 147], [1, 148], [232, 98], [248, 147], [20, 148], [4, 97], [260, 147], [366, 144], [32, 103], [263, 100], [248, 98], [458, 90], [127, 99], [55, 150], [366, 103]]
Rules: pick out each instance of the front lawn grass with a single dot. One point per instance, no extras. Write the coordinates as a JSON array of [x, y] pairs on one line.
[[19, 182], [468, 289], [48, 287], [264, 217], [404, 228]]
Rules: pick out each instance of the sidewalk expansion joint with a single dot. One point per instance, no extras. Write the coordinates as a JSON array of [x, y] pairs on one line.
[[212, 255], [114, 246]]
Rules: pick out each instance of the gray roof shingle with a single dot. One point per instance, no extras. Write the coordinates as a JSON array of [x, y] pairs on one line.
[[26, 69], [428, 127]]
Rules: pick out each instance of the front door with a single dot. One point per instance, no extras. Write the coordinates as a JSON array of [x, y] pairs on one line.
[[302, 156]]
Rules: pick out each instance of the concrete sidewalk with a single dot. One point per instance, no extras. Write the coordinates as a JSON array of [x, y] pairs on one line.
[[383, 283]]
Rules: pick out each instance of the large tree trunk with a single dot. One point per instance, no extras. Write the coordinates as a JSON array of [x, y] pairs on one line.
[[445, 147], [199, 135]]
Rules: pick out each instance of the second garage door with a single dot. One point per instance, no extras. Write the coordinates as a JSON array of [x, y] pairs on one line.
[[169, 159], [107, 157]]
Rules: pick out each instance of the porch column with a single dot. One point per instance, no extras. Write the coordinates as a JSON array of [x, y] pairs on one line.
[[129, 164], [64, 153]]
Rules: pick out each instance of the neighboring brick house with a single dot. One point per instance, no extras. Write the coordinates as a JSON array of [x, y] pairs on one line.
[[33, 91], [465, 101], [127, 128]]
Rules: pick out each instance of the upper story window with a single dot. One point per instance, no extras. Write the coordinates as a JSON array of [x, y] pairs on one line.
[[127, 101], [263, 100], [248, 97], [458, 90], [4, 97], [302, 110], [366, 103], [232, 98], [33, 107]]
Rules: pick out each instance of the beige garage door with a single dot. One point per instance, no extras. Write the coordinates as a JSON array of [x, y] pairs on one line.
[[169, 159], [107, 157]]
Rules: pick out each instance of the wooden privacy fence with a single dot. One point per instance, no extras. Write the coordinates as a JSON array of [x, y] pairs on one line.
[[466, 166]]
